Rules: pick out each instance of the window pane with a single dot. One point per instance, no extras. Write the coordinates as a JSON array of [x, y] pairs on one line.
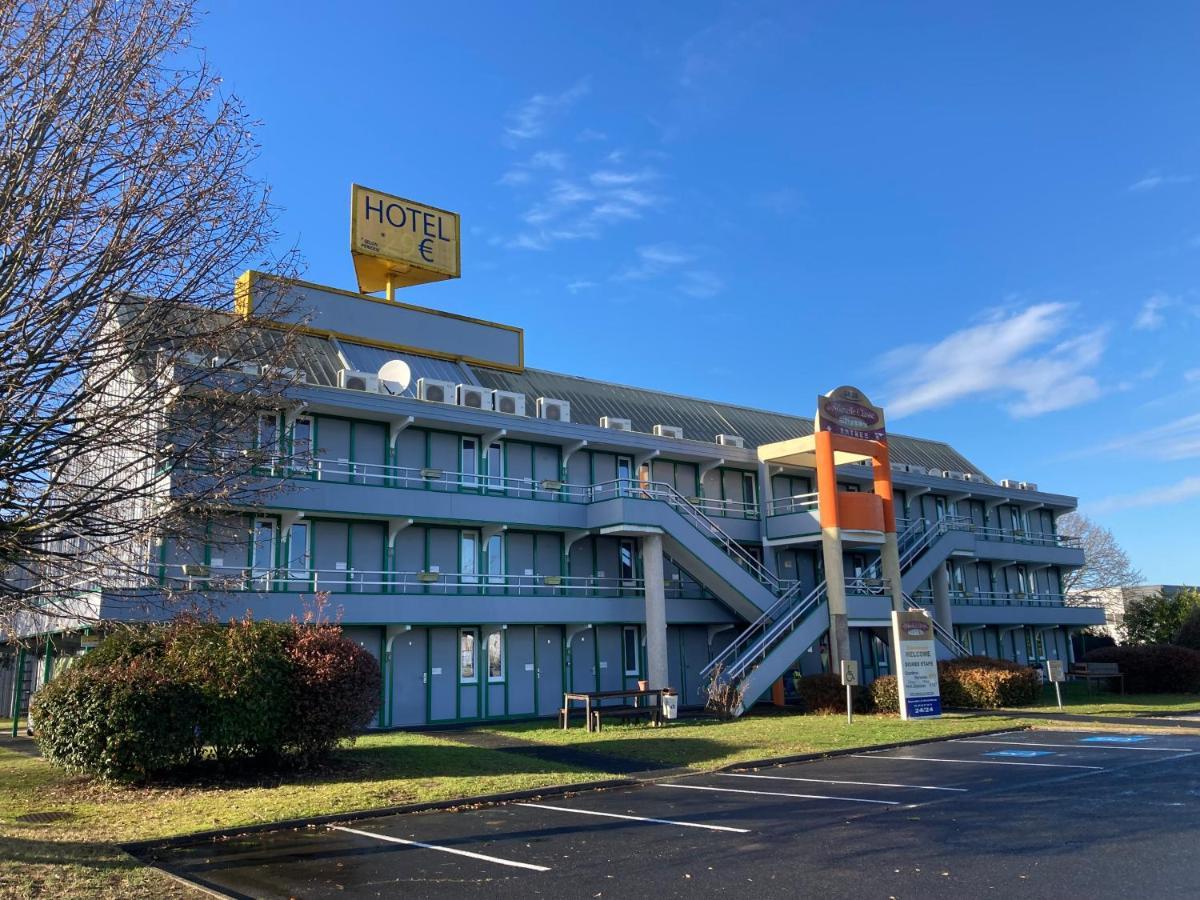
[[631, 651], [495, 650], [626, 559], [298, 551], [468, 558], [470, 461], [495, 555], [467, 656], [302, 443], [264, 546], [495, 466]]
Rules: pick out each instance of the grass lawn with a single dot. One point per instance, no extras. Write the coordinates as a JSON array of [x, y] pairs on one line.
[[1104, 703], [73, 857]]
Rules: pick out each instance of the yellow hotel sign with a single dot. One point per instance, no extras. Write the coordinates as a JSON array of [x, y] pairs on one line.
[[398, 242]]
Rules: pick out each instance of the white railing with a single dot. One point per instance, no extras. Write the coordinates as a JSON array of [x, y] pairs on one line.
[[960, 597], [957, 647], [782, 506], [761, 634]]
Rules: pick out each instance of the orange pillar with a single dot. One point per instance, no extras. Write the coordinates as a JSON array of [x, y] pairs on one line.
[[777, 693]]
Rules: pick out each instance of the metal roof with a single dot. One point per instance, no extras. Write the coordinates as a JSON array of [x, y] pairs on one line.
[[700, 419]]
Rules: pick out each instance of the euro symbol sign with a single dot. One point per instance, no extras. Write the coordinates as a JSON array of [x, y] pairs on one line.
[[425, 248]]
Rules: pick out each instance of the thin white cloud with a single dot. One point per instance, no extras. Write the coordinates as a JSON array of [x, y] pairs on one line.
[[1150, 317], [702, 284], [782, 201], [591, 134], [610, 178], [580, 284], [1184, 489], [662, 260], [531, 119], [1191, 376], [1025, 357], [1156, 179], [1176, 440]]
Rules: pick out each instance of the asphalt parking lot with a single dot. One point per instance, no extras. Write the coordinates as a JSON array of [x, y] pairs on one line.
[[1030, 813]]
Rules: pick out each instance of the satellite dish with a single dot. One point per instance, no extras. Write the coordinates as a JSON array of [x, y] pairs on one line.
[[395, 376]]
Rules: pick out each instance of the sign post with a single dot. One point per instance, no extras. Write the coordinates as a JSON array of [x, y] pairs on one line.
[[1055, 675], [849, 679], [916, 656]]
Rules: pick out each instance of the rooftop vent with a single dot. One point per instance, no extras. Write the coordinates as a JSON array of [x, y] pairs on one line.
[[731, 440], [433, 391], [474, 397], [510, 402], [615, 423], [353, 380], [553, 410], [670, 431]]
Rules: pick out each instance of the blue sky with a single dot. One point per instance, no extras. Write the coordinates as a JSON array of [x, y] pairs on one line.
[[986, 217]]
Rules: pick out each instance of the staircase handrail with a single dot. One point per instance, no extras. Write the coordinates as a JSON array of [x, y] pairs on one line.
[[761, 626], [957, 647], [786, 624], [656, 490]]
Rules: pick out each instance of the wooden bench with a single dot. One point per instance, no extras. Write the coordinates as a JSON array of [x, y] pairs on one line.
[[1096, 671], [654, 713]]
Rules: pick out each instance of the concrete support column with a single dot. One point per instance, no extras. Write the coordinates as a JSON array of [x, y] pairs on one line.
[[656, 612], [835, 590], [942, 610], [889, 568]]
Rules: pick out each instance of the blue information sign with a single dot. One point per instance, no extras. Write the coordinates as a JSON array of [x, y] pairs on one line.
[[923, 707]]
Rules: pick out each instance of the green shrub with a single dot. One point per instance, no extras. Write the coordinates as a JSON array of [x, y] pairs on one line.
[[885, 694], [124, 721], [980, 682], [1153, 668], [157, 697], [1188, 634], [825, 694]]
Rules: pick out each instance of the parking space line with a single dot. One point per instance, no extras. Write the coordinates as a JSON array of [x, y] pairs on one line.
[[395, 840], [915, 787], [701, 787], [608, 815], [977, 762], [1077, 746]]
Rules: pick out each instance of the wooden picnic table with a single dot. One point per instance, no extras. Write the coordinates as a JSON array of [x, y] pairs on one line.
[[593, 710]]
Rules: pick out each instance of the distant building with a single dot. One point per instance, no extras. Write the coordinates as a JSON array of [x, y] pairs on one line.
[[1116, 600]]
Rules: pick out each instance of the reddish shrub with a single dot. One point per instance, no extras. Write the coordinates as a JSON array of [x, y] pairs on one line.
[[885, 694], [1153, 668], [980, 682], [825, 694]]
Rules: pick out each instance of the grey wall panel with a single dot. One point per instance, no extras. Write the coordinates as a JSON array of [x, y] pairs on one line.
[[494, 694], [229, 542], [604, 467], [370, 639], [409, 674], [712, 483], [580, 561], [578, 468], [370, 440], [366, 553], [520, 670], [443, 674], [548, 663], [548, 560], [674, 659], [695, 657], [581, 660], [329, 554], [519, 548], [333, 447], [685, 478], [410, 449], [444, 549], [409, 550], [611, 672], [445, 453]]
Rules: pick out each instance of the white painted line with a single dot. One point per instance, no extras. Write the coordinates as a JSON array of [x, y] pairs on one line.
[[454, 850], [700, 787], [607, 815], [916, 787], [977, 762], [1078, 746]]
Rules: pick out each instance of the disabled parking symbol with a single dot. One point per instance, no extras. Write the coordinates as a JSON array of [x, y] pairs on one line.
[[1023, 754], [1116, 739]]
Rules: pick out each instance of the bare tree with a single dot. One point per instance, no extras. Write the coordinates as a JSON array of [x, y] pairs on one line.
[[126, 210], [1105, 566]]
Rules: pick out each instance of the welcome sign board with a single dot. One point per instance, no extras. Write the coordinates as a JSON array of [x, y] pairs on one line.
[[920, 695]]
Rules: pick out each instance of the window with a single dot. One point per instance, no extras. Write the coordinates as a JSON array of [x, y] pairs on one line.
[[750, 492], [958, 579], [1022, 580], [268, 435], [468, 557], [624, 474], [858, 564], [495, 468], [495, 559], [302, 444], [1016, 520], [629, 649], [262, 553], [1039, 643], [626, 562], [495, 655], [298, 554], [939, 507], [470, 462], [466, 656], [1028, 643]]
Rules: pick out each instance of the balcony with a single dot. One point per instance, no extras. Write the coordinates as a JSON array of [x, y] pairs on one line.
[[793, 519], [1018, 607]]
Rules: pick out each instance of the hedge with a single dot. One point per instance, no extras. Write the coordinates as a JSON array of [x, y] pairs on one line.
[[825, 694], [978, 682], [157, 698], [885, 694], [1153, 668]]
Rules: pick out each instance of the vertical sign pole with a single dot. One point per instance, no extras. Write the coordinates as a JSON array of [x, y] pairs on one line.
[[849, 706], [1058, 694], [390, 291]]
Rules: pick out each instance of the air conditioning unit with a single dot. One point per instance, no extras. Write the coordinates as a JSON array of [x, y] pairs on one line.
[[956, 476], [615, 423], [509, 402], [358, 381], [967, 476], [283, 373], [1028, 486], [434, 391], [1010, 484], [474, 397], [553, 410], [731, 440], [671, 431]]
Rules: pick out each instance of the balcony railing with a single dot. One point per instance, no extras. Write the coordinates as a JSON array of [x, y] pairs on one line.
[[1010, 598], [782, 506], [358, 581]]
